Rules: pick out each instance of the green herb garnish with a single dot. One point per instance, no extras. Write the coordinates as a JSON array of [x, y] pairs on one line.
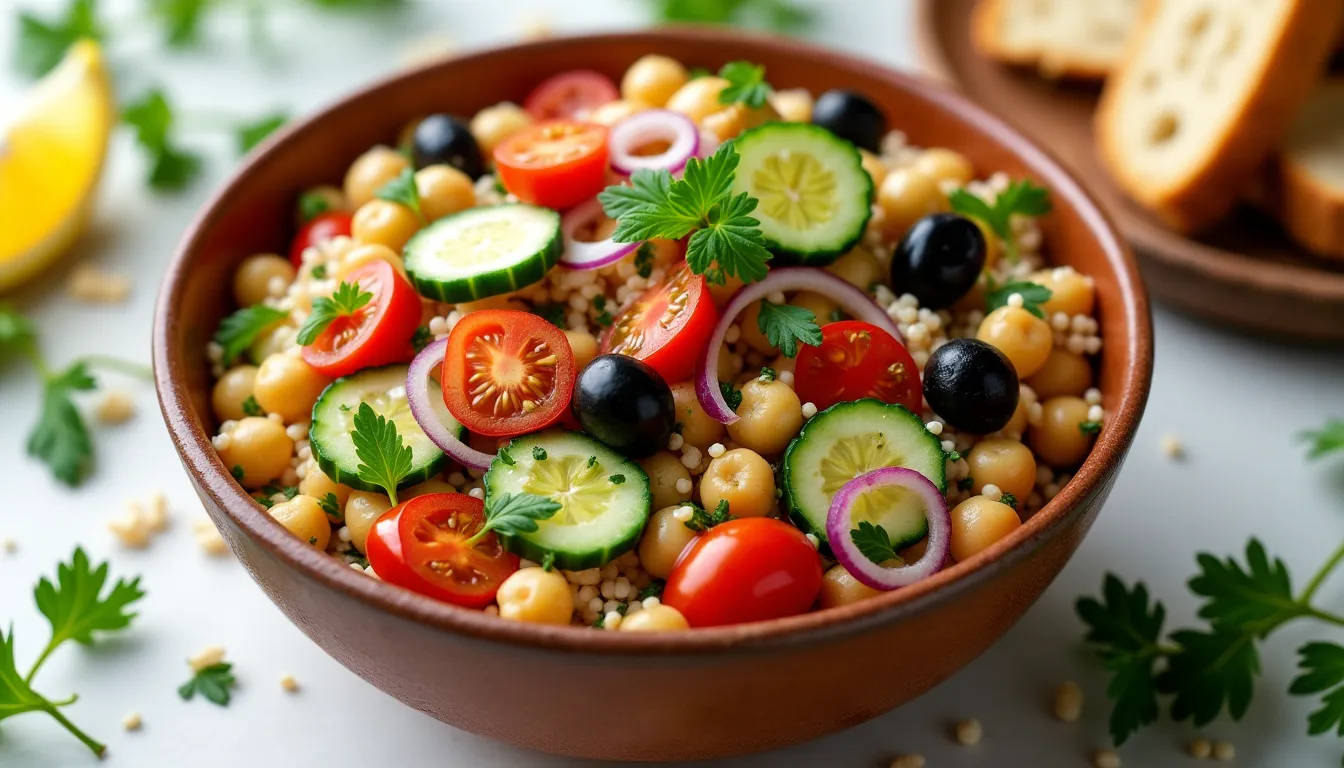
[[617, 479], [652, 589], [421, 338], [548, 562], [603, 317], [1033, 296], [251, 407], [1325, 440], [331, 506], [1021, 197], [1009, 499], [312, 205], [1089, 427], [170, 167], [507, 457], [551, 313], [384, 458], [212, 682], [538, 453], [785, 325], [345, 302], [240, 330], [702, 521], [513, 514], [746, 84], [873, 542], [767, 374], [778, 15], [402, 190], [731, 395], [251, 133], [644, 261]]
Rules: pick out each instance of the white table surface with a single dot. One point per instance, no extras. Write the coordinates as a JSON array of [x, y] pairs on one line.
[[1235, 402]]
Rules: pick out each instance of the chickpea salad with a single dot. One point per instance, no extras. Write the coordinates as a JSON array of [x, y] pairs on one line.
[[683, 351]]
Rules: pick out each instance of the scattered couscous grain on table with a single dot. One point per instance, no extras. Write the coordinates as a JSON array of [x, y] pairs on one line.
[[678, 352]]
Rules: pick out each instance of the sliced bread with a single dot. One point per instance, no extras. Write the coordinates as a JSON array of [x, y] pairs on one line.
[[1076, 39], [1310, 171], [1205, 94]]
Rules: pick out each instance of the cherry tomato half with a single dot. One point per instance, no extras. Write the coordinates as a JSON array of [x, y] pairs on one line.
[[557, 164], [425, 546], [377, 333], [507, 373], [323, 227], [750, 569], [856, 360], [667, 327], [572, 95]]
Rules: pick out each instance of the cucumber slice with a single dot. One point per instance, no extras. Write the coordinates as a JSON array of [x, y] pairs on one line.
[[848, 440], [384, 389], [599, 520], [815, 195], [483, 252]]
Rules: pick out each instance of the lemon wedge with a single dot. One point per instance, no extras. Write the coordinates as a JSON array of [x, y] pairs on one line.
[[50, 161]]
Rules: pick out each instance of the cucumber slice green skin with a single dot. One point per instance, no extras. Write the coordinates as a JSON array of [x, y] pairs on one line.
[[808, 503], [420, 257], [610, 534], [329, 435], [854, 191]]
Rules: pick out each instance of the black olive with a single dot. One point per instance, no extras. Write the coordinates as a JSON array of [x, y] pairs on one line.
[[971, 385], [446, 140], [938, 260], [624, 403], [851, 117]]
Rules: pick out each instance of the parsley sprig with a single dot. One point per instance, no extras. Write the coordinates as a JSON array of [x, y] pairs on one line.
[[1327, 439], [60, 438], [725, 241], [746, 84], [513, 514], [77, 609], [785, 325], [1033, 295], [777, 15], [384, 458], [1021, 197], [240, 330], [401, 189], [702, 520], [345, 302], [873, 542], [212, 682]]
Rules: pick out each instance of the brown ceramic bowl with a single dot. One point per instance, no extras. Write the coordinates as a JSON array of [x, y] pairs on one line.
[[542, 687]]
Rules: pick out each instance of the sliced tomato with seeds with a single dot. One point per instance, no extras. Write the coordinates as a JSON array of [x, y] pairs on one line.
[[556, 164], [857, 360], [431, 545], [378, 333], [573, 95], [323, 227], [668, 326], [507, 373]]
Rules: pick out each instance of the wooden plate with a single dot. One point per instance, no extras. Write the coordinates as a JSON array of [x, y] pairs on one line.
[[1245, 274]]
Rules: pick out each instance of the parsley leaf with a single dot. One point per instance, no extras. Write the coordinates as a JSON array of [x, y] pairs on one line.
[[1124, 631], [1009, 499], [1254, 599], [1324, 441], [731, 395], [331, 505], [746, 84], [702, 521], [384, 459], [652, 589], [16, 331], [311, 205], [779, 15], [513, 514], [212, 682], [75, 605], [1021, 197], [345, 302], [252, 408], [402, 190], [240, 330], [250, 134], [538, 453], [43, 43], [617, 479], [551, 313], [644, 261], [1089, 427], [421, 338], [60, 438], [731, 245], [152, 118], [1033, 296], [507, 457], [767, 374], [548, 562], [873, 542], [1211, 668], [785, 325], [1322, 666]]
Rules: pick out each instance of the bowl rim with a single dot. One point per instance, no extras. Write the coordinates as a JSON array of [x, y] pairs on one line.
[[212, 479]]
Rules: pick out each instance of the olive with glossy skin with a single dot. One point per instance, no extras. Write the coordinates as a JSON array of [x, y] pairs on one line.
[[971, 386], [852, 118], [624, 403], [446, 140], [939, 260]]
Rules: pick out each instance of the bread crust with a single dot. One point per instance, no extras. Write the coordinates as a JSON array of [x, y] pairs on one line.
[[986, 21], [1212, 189], [1311, 208]]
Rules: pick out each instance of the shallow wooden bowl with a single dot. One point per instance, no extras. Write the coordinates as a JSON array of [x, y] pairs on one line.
[[699, 694]]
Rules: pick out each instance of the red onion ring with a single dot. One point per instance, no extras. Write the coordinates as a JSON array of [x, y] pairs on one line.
[[431, 413], [839, 524], [851, 299], [653, 125], [589, 255]]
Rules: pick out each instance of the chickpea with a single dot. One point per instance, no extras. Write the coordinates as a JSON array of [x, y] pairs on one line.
[[794, 105], [1025, 339], [252, 281], [614, 112], [1017, 423], [977, 523], [370, 172], [362, 254], [859, 268], [382, 222], [877, 170], [584, 347], [906, 196], [443, 190], [303, 517], [665, 470], [1064, 373], [231, 391], [537, 596], [1005, 463], [260, 448], [288, 386], [722, 293], [697, 428], [1059, 440], [743, 479], [492, 302], [664, 539], [729, 365], [698, 98], [749, 322], [362, 510], [432, 485], [653, 79], [945, 165], [817, 304], [1071, 292], [727, 123], [315, 483], [659, 618], [770, 416], [272, 341], [839, 587], [492, 125]]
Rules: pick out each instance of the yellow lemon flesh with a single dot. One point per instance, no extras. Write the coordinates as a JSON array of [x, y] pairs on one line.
[[50, 160]]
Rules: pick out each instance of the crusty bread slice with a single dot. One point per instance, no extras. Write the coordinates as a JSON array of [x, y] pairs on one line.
[[1310, 171], [1076, 39], [1205, 94]]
